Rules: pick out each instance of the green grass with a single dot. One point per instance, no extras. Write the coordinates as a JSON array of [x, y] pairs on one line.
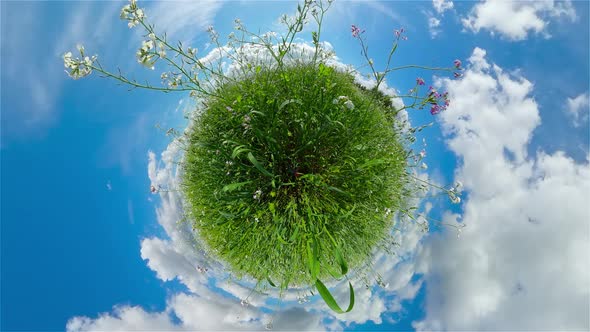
[[285, 185]]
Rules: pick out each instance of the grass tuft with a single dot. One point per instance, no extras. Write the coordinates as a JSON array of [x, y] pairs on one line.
[[292, 174]]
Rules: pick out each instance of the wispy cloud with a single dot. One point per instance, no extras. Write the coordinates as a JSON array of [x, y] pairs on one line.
[[183, 20], [578, 108], [433, 26], [40, 73]]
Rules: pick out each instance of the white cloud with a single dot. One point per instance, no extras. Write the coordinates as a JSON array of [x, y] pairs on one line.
[[441, 5], [577, 109], [433, 24], [522, 261], [183, 20], [514, 20]]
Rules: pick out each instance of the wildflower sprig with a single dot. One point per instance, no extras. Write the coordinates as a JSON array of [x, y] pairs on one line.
[[80, 66], [292, 172], [438, 101]]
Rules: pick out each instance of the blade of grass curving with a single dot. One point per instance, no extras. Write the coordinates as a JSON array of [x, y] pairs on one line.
[[329, 299], [312, 259], [239, 150], [258, 165], [339, 257], [270, 282], [287, 102]]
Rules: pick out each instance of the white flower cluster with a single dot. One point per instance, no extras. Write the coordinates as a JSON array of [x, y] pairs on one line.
[[132, 14], [257, 194], [78, 67], [346, 102], [246, 122], [144, 54], [455, 192]]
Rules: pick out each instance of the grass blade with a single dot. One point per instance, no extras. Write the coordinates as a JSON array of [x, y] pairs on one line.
[[258, 165], [233, 186], [329, 299]]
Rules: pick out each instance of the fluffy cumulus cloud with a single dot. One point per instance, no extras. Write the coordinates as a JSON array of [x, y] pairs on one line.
[[522, 261], [514, 20], [213, 300], [442, 5], [434, 20], [577, 109]]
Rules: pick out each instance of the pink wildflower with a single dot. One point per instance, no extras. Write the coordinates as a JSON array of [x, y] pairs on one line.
[[457, 63], [420, 81], [355, 31], [435, 109]]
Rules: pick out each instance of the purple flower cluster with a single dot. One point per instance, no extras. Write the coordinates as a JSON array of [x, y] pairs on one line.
[[356, 31], [399, 34], [457, 64], [439, 102]]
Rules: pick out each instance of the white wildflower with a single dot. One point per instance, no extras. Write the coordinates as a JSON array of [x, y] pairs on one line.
[[124, 11], [139, 14], [68, 62], [257, 194], [349, 105]]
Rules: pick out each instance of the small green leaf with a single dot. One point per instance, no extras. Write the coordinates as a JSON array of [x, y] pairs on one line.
[[290, 101], [336, 190], [270, 282], [294, 235], [281, 240], [258, 165], [239, 150], [329, 299], [394, 48]]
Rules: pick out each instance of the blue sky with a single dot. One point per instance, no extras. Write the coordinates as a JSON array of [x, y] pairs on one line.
[[85, 245]]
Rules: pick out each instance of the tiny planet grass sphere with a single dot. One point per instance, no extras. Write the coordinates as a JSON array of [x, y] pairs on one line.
[[293, 173]]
